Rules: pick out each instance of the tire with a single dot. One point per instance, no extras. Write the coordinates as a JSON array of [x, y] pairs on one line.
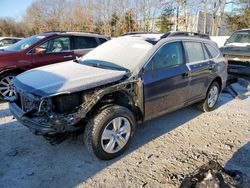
[[102, 145], [6, 86], [207, 105]]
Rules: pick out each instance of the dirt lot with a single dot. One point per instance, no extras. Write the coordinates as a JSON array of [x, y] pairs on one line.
[[162, 152]]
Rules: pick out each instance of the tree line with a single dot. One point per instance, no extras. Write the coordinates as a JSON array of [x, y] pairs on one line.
[[115, 17]]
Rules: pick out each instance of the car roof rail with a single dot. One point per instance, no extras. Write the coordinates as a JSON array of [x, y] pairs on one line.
[[138, 32], [184, 33], [80, 31]]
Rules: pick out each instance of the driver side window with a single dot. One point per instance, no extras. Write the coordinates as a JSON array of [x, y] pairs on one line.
[[56, 45], [169, 55]]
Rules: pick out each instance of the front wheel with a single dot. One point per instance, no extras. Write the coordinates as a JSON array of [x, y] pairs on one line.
[[6, 85], [108, 134], [211, 99]]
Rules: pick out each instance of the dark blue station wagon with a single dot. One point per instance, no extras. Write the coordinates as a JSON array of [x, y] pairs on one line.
[[122, 82]]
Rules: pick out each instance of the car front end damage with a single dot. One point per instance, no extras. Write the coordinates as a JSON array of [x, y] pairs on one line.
[[62, 113]]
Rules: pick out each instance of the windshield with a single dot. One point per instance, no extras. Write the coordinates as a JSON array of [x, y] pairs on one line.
[[120, 53], [239, 37], [24, 44]]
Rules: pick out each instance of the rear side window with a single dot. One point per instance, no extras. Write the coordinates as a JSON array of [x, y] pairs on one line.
[[194, 51], [169, 55], [84, 43], [102, 40], [213, 52]]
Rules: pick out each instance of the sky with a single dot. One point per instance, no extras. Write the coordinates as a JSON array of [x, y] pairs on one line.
[[14, 8]]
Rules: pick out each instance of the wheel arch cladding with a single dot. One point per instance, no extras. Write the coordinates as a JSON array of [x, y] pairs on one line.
[[121, 98]]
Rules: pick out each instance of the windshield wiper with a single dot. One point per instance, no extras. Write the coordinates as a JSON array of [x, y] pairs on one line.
[[107, 67], [104, 65]]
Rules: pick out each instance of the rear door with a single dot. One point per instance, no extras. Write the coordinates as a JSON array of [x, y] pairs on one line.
[[83, 44], [57, 50], [201, 69], [165, 80]]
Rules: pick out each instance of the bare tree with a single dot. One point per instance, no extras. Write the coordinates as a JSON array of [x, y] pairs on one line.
[[205, 16]]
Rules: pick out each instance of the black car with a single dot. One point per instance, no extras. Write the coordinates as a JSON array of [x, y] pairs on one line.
[[237, 52], [120, 83]]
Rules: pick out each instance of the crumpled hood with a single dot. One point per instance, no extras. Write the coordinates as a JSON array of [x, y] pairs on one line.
[[65, 77]]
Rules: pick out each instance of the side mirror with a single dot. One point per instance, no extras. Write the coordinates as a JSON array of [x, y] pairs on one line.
[[40, 50], [225, 42]]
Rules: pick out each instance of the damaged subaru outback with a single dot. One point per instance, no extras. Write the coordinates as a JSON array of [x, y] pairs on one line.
[[120, 84]]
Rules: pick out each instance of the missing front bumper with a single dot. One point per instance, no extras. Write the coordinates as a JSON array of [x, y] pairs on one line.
[[34, 126]]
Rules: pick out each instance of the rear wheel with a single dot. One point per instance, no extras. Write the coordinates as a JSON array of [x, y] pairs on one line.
[[109, 133], [211, 99], [6, 85]]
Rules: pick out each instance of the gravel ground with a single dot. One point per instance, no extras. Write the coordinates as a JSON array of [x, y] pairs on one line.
[[163, 151]]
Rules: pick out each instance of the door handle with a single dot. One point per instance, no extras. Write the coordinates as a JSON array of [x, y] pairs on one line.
[[211, 67], [186, 75], [68, 56]]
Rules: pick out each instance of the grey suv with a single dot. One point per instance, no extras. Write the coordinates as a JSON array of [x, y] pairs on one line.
[[117, 85]]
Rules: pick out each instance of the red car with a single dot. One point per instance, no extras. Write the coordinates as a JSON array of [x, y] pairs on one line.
[[43, 49]]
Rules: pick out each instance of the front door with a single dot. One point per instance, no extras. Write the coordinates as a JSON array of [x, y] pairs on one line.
[[57, 50], [166, 80]]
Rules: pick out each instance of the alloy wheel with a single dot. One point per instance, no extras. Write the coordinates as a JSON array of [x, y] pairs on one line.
[[7, 87], [116, 135], [213, 96]]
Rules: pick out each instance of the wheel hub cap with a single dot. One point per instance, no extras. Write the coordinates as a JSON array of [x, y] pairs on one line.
[[116, 135], [6, 87], [213, 96]]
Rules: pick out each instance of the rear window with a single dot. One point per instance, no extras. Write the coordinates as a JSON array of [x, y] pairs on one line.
[[213, 52], [194, 51], [84, 43]]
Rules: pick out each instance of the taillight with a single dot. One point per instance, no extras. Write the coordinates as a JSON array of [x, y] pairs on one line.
[[226, 62]]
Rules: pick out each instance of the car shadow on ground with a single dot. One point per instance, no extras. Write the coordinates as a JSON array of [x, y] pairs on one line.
[[240, 160], [35, 163]]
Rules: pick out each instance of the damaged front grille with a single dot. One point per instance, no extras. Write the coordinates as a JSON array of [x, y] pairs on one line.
[[26, 101]]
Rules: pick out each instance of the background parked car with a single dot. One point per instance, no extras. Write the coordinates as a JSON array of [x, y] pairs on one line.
[[237, 52], [7, 41], [43, 49]]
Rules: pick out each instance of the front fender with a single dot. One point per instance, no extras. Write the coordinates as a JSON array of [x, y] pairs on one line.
[[11, 69]]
